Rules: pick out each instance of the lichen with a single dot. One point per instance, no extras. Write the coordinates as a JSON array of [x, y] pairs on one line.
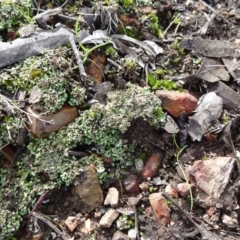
[[46, 163], [19, 11]]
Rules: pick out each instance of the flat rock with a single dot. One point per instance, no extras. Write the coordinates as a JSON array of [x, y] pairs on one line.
[[112, 197], [42, 126], [175, 102], [160, 208], [108, 218], [230, 222], [211, 177], [208, 111], [88, 189]]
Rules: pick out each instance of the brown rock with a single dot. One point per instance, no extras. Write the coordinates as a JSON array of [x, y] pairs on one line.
[[160, 208], [175, 102], [152, 165], [42, 126], [106, 159], [88, 189], [8, 151], [131, 184]]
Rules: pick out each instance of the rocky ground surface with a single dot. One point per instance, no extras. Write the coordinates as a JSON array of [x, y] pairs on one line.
[[119, 120]]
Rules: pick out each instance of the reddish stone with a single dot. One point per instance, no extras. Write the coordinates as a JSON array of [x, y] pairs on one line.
[[183, 189], [175, 102], [211, 211], [152, 165], [131, 184], [41, 126], [160, 208], [106, 159]]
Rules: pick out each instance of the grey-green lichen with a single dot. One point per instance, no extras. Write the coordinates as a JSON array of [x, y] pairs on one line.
[[47, 163], [20, 12], [50, 74]]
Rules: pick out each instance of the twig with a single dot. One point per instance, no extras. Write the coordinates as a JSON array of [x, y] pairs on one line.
[[171, 23], [38, 203], [206, 235], [41, 217], [14, 108], [77, 153], [212, 9], [136, 222], [77, 56]]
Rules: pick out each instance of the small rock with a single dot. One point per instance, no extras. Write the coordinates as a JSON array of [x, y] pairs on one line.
[[108, 218], [71, 223], [132, 234], [112, 197], [35, 96], [88, 189], [152, 165], [131, 184], [183, 189], [160, 208], [172, 191], [175, 102], [133, 201], [120, 236], [144, 186], [139, 165], [211, 211], [26, 30], [229, 221], [107, 160], [88, 226], [209, 109], [54, 122], [211, 177]]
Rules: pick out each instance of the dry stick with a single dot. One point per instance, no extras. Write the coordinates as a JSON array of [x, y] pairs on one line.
[[212, 9], [136, 222], [206, 235], [77, 56], [38, 203], [63, 235]]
